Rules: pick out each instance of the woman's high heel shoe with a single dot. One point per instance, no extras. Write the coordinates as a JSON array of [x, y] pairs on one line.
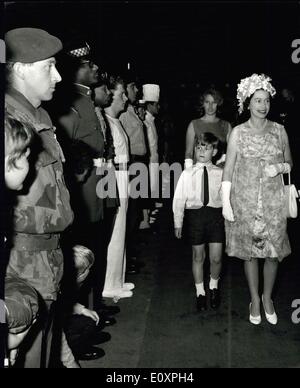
[[252, 319], [271, 318]]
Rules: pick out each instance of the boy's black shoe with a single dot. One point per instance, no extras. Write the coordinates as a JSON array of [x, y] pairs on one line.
[[201, 303], [92, 353], [215, 299]]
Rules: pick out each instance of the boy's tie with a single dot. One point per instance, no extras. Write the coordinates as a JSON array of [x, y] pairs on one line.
[[205, 187]]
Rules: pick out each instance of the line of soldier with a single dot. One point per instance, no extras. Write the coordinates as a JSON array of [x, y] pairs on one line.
[[97, 123]]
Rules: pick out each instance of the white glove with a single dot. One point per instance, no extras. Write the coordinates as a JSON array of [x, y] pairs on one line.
[[272, 170], [110, 164], [225, 194], [100, 162], [188, 163]]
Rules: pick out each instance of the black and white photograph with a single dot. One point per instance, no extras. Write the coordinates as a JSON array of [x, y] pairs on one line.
[[150, 187]]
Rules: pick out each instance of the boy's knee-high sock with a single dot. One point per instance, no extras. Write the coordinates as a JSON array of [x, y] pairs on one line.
[[200, 289], [213, 283]]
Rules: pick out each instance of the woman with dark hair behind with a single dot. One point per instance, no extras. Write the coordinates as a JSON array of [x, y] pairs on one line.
[[210, 101]]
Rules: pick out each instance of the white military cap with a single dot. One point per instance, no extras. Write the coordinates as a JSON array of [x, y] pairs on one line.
[[151, 92]]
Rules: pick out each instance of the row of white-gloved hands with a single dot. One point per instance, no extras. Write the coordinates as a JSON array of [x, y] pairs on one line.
[[271, 170], [102, 163]]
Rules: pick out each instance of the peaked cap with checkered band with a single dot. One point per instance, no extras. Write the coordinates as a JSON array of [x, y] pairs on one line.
[[80, 51]]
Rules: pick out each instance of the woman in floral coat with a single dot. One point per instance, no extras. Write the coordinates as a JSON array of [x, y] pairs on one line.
[[253, 195]]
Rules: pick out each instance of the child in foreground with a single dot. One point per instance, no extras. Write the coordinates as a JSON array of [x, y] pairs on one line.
[[197, 199]]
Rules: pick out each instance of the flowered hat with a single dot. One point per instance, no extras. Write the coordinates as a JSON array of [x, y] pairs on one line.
[[249, 85]]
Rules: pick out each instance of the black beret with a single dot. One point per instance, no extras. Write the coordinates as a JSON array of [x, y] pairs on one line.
[[28, 45]]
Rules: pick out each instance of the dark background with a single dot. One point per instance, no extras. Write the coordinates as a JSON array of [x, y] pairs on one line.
[[183, 46], [173, 42]]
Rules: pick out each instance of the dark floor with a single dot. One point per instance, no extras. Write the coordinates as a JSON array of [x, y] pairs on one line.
[[159, 326]]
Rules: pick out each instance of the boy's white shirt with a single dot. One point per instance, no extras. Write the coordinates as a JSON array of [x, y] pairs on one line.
[[189, 190]]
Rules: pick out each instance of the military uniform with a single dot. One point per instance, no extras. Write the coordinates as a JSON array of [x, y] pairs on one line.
[[41, 214], [42, 210], [135, 131], [137, 144], [82, 123]]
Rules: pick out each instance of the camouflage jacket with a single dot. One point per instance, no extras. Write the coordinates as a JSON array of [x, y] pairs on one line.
[[44, 207], [42, 211]]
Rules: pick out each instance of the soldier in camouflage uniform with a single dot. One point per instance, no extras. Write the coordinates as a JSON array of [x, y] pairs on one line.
[[42, 210]]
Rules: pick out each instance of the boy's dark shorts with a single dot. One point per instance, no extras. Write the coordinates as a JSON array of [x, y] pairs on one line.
[[204, 225]]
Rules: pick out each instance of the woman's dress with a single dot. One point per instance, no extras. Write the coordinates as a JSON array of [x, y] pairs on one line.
[[258, 203]]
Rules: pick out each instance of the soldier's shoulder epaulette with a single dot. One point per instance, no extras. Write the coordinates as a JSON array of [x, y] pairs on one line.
[[16, 113]]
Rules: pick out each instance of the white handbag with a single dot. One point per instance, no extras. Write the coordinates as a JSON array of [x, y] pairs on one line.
[[291, 196], [290, 193]]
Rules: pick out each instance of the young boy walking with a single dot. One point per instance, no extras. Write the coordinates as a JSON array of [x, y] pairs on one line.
[[197, 199]]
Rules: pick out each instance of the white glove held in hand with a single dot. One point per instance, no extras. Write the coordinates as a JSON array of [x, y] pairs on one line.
[[227, 209], [273, 170], [188, 163], [100, 162]]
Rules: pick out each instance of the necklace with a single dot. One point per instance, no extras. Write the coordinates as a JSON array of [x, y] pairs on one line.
[[256, 129]]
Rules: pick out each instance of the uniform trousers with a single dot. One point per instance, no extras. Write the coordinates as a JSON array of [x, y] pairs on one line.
[[154, 179], [135, 212]]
